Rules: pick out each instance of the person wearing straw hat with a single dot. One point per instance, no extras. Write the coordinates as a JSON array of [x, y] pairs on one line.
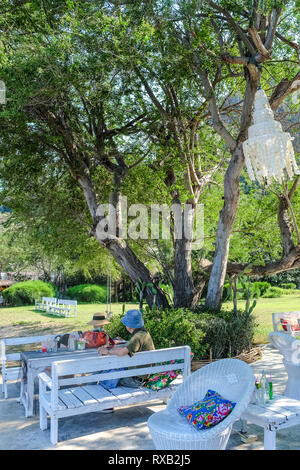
[[140, 341], [98, 321]]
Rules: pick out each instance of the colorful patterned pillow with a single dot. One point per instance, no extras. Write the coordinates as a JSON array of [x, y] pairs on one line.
[[208, 412], [161, 380]]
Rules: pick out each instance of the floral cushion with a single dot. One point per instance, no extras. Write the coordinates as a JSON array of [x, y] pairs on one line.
[[161, 380], [208, 412]]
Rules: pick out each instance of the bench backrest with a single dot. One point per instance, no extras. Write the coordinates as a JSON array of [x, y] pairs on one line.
[[276, 317], [142, 363], [19, 341], [67, 302], [49, 299]]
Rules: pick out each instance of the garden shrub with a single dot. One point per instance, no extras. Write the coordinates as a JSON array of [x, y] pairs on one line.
[[116, 328], [273, 292], [88, 293], [225, 333], [288, 285], [175, 327], [25, 292], [262, 286], [290, 291]]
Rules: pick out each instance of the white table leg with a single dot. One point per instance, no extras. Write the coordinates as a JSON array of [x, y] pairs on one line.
[[20, 399], [269, 439], [30, 395]]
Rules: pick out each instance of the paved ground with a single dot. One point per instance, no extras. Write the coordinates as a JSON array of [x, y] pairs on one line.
[[126, 428]]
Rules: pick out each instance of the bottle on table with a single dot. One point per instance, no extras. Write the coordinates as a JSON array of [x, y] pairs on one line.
[[71, 343], [263, 382]]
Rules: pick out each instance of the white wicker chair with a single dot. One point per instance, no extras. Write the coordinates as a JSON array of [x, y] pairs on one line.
[[232, 378], [290, 350]]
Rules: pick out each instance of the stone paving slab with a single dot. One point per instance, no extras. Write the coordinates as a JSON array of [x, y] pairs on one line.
[[126, 428]]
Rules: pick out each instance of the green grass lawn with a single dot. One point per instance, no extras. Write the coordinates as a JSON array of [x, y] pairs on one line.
[[25, 321]]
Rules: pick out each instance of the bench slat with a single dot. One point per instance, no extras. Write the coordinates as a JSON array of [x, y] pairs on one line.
[[13, 373], [60, 404], [97, 392], [84, 396], [70, 400]]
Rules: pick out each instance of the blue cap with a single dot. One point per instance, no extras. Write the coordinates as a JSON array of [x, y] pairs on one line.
[[133, 319]]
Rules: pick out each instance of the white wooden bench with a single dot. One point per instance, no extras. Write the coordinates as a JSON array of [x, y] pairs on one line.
[[66, 308], [82, 394], [277, 325], [15, 373], [45, 304]]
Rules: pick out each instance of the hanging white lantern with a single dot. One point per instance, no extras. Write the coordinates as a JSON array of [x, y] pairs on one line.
[[269, 153]]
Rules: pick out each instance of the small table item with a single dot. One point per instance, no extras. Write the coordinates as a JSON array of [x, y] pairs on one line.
[[279, 413]]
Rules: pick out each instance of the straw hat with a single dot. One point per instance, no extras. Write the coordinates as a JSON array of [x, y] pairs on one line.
[[99, 319]]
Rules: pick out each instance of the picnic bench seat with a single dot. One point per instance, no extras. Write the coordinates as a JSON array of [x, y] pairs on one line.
[[14, 373], [44, 304], [63, 307], [82, 393], [290, 326]]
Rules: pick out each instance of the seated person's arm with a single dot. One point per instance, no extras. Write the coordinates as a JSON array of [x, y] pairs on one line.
[[133, 346], [113, 352]]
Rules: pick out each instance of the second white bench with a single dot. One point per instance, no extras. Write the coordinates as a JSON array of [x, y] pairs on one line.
[[65, 308]]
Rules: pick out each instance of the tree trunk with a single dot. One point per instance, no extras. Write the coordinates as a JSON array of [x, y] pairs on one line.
[[183, 276], [226, 221], [183, 279], [133, 267]]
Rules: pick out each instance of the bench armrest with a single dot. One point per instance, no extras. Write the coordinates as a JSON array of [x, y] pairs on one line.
[[46, 379]]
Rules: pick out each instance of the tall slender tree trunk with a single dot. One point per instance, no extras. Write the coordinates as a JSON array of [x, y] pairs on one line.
[[183, 279], [224, 230], [183, 276]]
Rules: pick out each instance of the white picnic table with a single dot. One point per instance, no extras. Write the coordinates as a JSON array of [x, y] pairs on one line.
[[279, 413], [35, 362]]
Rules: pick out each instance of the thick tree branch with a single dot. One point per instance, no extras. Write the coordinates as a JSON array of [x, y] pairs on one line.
[[272, 28], [283, 89], [214, 110]]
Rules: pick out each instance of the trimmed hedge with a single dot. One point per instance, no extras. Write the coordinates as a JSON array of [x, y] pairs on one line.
[[88, 293], [274, 292], [288, 285], [25, 293]]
